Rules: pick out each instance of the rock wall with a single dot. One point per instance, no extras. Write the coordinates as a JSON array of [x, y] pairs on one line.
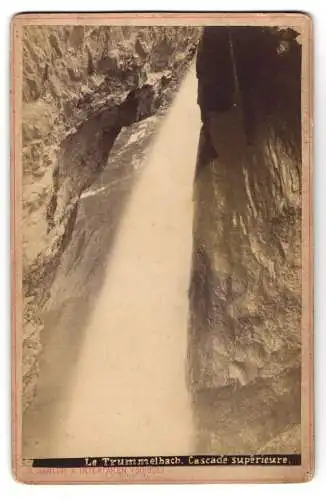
[[81, 85], [245, 296]]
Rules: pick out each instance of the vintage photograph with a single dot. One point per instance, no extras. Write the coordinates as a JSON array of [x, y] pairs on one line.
[[160, 232]]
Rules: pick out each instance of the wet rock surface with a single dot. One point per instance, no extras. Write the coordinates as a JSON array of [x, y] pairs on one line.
[[245, 295]]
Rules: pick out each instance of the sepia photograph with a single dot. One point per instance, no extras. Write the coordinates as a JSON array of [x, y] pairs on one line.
[[161, 240]]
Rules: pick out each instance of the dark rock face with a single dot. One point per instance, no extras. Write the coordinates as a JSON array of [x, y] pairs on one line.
[[81, 85], [245, 295]]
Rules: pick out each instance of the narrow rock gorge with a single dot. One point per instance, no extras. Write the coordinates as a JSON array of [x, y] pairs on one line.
[[162, 290], [245, 296]]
